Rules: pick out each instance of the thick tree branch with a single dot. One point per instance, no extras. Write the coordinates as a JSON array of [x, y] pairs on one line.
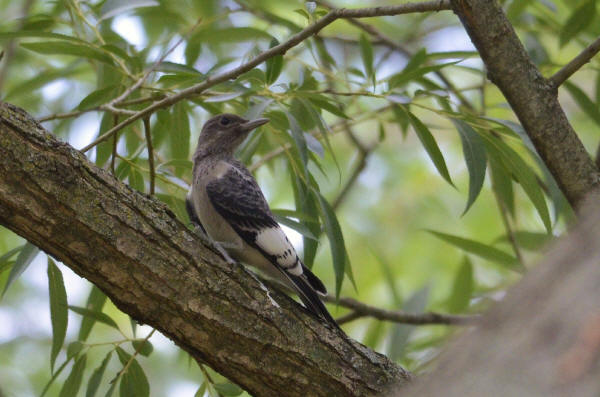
[[156, 270], [570, 68], [435, 5], [532, 98]]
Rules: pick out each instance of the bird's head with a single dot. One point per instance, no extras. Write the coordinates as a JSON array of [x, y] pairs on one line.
[[222, 134]]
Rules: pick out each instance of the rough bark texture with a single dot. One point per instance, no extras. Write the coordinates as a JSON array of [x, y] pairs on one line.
[[531, 96], [543, 339], [155, 269]]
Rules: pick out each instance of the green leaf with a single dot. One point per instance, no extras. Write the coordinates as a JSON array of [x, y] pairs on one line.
[[134, 382], [74, 348], [516, 8], [142, 346], [297, 226], [95, 302], [212, 35], [299, 140], [55, 375], [584, 102], [475, 157], [39, 34], [430, 146], [96, 378], [98, 316], [416, 61], [531, 241], [180, 132], [228, 389], [501, 181], [366, 52], [462, 288], [482, 250], [524, 175], [410, 75], [136, 180], [401, 332], [58, 309], [306, 206], [104, 149], [73, 382], [579, 20], [181, 164], [68, 48], [374, 334], [274, 65], [5, 261], [336, 242], [112, 8], [323, 103], [98, 97], [27, 254]]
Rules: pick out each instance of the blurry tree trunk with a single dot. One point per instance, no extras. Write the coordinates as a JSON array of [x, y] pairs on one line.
[[543, 339]]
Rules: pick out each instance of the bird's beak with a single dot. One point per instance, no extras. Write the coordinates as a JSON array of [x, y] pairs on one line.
[[252, 124]]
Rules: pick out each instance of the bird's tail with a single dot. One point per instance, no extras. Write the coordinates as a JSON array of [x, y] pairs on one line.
[[314, 281], [308, 296]]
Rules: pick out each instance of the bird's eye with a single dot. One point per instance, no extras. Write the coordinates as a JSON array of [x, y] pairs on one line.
[[225, 120]]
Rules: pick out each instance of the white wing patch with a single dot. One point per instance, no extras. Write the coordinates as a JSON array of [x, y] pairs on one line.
[[274, 242]]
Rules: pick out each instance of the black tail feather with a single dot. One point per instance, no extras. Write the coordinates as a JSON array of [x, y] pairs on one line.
[[314, 281], [309, 297]]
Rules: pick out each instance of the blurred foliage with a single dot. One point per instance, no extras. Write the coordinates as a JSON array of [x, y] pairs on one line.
[[409, 163]]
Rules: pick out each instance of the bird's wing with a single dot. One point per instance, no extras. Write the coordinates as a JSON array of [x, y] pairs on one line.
[[238, 199]]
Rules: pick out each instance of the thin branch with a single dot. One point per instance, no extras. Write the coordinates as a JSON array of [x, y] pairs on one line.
[[114, 146], [150, 153], [105, 108], [363, 310], [359, 310], [363, 153], [280, 49], [570, 68]]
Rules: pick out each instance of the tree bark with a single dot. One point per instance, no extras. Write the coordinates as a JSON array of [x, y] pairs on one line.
[[532, 97], [159, 272], [543, 339]]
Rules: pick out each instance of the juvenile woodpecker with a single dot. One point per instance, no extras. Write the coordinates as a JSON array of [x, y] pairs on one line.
[[227, 204]]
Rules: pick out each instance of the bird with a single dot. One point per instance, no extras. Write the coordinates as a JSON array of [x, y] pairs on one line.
[[226, 203]]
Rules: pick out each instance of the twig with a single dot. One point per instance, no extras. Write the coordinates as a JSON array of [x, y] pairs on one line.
[[363, 153], [76, 113], [509, 232], [114, 147], [363, 310], [570, 68], [280, 49], [150, 152]]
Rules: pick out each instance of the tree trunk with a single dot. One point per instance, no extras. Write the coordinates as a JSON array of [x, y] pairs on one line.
[[543, 339], [159, 272]]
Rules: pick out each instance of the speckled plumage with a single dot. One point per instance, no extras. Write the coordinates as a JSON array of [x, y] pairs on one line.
[[227, 203]]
